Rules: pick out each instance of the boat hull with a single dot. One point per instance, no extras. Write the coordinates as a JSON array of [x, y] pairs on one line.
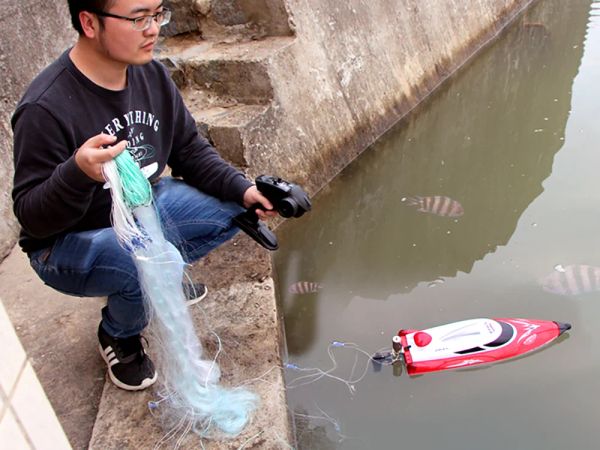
[[474, 342]]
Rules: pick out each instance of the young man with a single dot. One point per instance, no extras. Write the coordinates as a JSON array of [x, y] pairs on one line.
[[101, 97]]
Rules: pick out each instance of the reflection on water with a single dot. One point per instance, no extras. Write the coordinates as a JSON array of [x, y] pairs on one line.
[[512, 139]]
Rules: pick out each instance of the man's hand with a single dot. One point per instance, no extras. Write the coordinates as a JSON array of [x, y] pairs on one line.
[[95, 151], [252, 196]]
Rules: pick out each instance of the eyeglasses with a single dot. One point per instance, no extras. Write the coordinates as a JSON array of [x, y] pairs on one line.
[[141, 23]]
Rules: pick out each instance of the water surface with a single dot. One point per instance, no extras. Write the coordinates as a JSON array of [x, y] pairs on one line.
[[513, 137]]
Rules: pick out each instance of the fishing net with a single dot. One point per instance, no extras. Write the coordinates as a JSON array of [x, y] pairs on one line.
[[192, 397]]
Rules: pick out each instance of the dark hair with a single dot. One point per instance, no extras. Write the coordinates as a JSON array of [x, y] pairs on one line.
[[76, 6]]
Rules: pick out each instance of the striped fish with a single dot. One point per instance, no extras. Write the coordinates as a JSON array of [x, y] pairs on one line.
[[572, 280], [304, 287], [437, 204]]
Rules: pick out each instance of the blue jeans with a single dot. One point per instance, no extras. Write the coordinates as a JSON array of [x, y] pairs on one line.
[[93, 263]]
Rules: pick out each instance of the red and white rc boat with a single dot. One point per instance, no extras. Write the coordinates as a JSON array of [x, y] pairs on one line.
[[472, 342]]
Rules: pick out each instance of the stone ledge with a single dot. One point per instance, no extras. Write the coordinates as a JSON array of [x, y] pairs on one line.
[[237, 70], [58, 333], [226, 127], [193, 47], [241, 309]]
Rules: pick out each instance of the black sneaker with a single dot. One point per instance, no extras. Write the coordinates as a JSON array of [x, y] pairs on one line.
[[128, 365], [194, 293]]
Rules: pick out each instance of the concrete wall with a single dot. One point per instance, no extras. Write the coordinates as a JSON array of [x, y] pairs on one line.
[[358, 66], [232, 20], [32, 34]]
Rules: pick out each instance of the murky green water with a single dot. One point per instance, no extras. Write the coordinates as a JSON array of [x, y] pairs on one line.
[[515, 138]]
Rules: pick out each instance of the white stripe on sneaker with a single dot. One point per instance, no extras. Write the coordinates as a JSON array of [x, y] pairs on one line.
[[145, 383], [111, 357]]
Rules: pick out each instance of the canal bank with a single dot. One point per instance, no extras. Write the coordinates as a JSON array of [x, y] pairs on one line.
[[293, 88]]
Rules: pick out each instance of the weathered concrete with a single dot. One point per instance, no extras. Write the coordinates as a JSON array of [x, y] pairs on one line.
[[351, 71], [227, 86], [240, 308], [59, 335], [32, 34], [229, 20], [358, 67], [238, 20], [184, 17]]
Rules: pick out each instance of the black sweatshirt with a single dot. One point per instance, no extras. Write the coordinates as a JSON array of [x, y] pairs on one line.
[[62, 109]]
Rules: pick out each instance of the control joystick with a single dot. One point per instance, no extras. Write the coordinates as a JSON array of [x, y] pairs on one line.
[[288, 199]]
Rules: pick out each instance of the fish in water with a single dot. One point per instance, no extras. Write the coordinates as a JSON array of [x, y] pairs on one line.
[[437, 204], [436, 282], [572, 280], [304, 287]]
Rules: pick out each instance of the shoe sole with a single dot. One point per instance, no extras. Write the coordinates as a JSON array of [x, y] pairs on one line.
[[146, 383], [193, 301]]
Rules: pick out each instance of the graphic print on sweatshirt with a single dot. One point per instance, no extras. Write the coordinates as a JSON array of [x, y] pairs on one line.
[[139, 125]]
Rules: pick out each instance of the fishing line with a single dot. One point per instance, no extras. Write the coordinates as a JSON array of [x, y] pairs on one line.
[[262, 377], [282, 441], [195, 400], [326, 417], [323, 417], [247, 441], [314, 373], [171, 433]]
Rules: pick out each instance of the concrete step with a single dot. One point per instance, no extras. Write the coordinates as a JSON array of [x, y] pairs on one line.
[[225, 125], [241, 309], [227, 87], [229, 70], [230, 20]]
